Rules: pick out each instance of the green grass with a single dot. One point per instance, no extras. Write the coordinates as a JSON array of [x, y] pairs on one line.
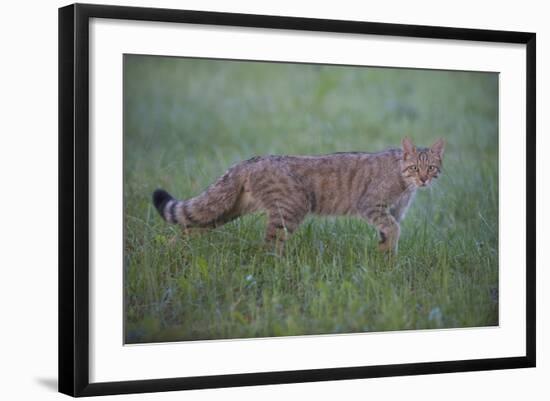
[[186, 121]]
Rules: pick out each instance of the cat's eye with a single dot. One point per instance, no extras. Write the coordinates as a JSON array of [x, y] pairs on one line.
[[432, 168], [413, 168]]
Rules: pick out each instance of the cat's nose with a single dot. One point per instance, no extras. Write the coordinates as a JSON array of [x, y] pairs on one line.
[[423, 179]]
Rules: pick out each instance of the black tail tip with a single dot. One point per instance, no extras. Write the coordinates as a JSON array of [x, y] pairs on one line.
[[160, 199]]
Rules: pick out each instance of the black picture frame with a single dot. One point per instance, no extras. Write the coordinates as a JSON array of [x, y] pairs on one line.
[[74, 198]]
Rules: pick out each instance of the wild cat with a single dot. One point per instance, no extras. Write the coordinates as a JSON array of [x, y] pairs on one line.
[[378, 187]]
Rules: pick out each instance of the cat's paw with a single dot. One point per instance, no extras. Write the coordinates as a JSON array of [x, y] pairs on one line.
[[189, 232], [387, 247]]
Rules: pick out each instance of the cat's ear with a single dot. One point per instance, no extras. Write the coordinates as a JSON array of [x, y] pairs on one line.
[[408, 147], [438, 147]]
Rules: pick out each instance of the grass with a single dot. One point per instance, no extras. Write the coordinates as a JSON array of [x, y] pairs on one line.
[[186, 121]]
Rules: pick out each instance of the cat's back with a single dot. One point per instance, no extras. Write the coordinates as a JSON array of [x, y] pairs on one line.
[[321, 163], [332, 166]]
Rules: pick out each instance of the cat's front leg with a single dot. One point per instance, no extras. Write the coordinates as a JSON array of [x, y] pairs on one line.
[[388, 228]]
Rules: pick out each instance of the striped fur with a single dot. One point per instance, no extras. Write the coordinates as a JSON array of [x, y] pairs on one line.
[[378, 187]]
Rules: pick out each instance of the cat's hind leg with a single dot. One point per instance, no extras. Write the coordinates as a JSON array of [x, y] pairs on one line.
[[281, 223], [286, 209]]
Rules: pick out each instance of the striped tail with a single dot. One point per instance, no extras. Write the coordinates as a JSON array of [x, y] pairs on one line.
[[215, 206], [165, 205]]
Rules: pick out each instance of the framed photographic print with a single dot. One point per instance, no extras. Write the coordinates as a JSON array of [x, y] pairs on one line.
[[251, 199]]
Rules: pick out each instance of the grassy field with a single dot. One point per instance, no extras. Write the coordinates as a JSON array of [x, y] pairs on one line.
[[187, 121]]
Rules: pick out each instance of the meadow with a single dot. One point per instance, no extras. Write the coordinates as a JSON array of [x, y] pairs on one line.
[[187, 120]]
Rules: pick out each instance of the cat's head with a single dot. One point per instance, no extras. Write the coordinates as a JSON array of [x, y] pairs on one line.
[[420, 166]]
